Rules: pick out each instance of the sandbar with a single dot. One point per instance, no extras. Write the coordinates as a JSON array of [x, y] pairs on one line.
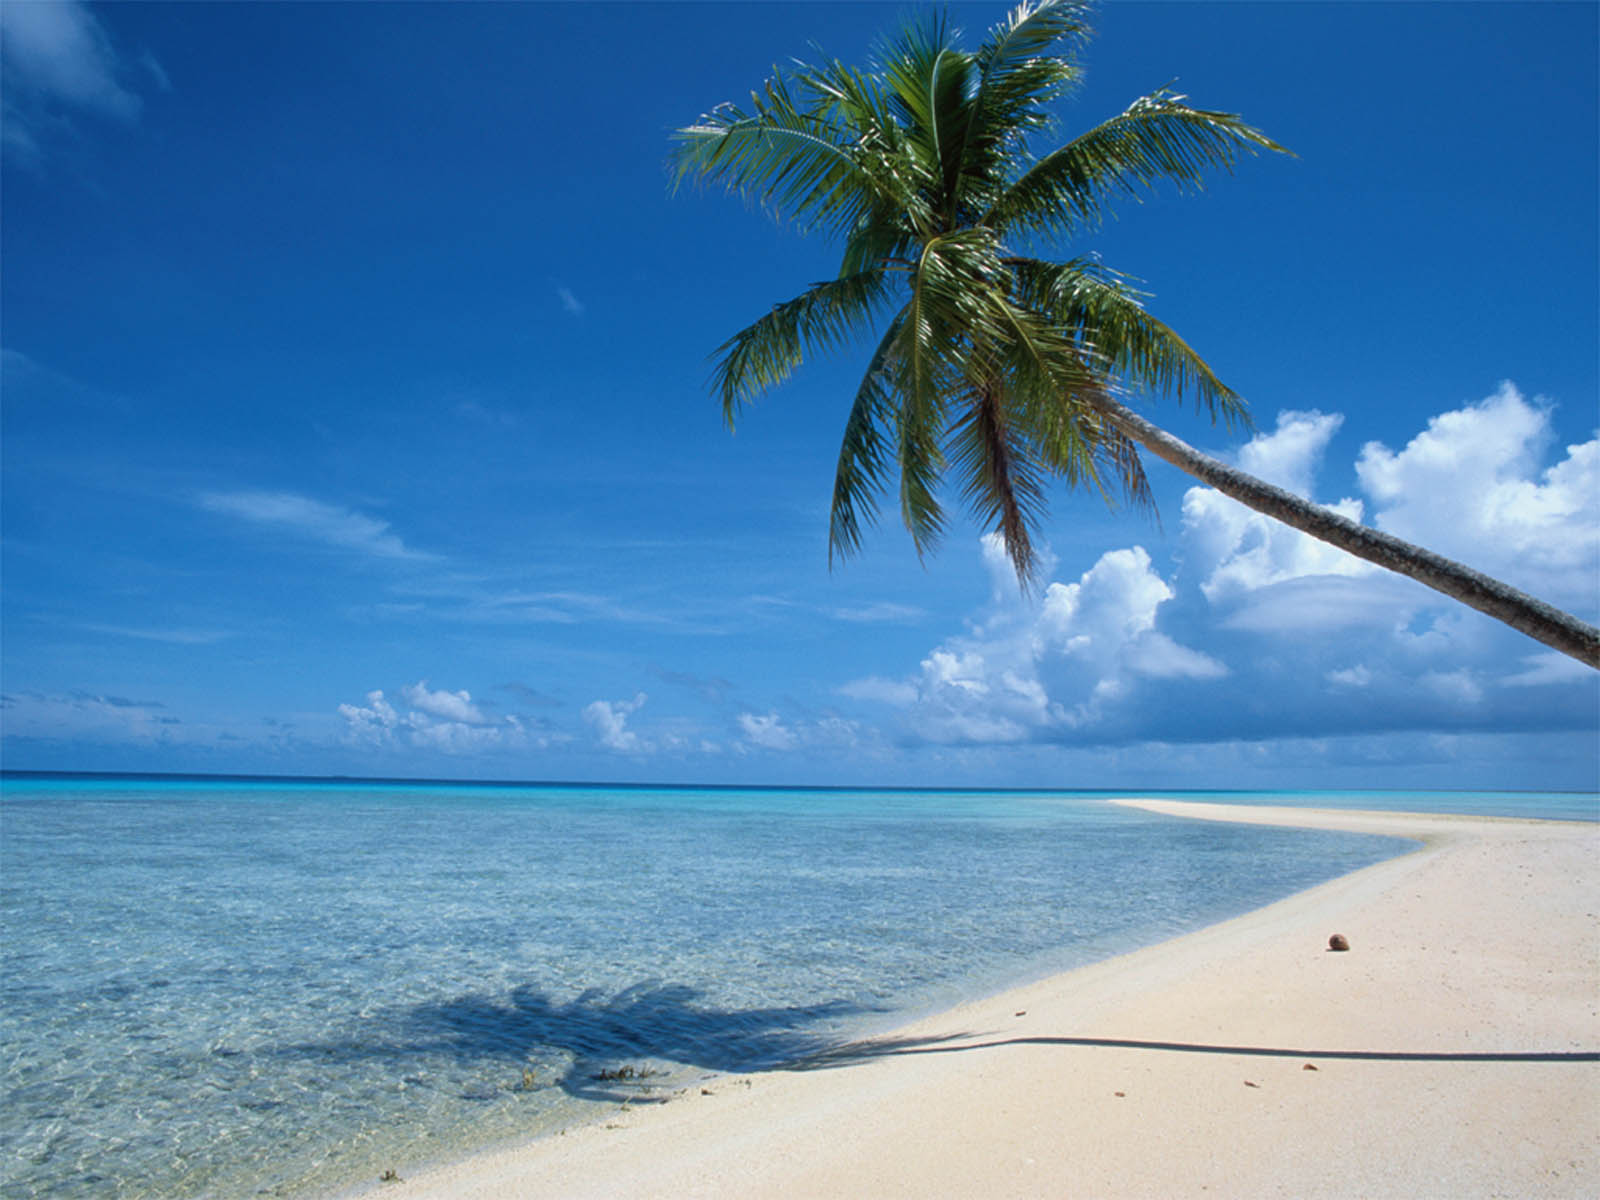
[[1452, 1051]]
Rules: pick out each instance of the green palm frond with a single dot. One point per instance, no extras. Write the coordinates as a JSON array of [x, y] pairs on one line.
[[930, 81], [875, 244], [1108, 317], [1002, 482], [1088, 454], [858, 107], [917, 429], [765, 353], [1158, 137], [790, 159], [1120, 458], [864, 461], [960, 281], [1018, 82], [1049, 375], [927, 349], [956, 312], [1030, 30]]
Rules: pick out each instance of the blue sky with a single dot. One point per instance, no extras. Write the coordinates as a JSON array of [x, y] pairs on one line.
[[356, 419]]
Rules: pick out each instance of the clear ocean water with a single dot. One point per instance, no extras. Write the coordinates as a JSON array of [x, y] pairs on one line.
[[232, 988]]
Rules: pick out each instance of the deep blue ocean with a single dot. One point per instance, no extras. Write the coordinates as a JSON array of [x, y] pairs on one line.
[[262, 987]]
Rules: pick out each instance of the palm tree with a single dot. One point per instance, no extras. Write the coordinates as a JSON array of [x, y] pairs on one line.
[[999, 367]]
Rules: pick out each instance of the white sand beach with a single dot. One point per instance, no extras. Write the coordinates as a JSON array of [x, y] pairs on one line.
[[1451, 1052]]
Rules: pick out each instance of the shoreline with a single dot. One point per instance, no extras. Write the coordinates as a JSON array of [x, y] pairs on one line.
[[1453, 1050]]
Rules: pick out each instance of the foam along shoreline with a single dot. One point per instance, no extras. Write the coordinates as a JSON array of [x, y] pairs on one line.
[[1451, 1052]]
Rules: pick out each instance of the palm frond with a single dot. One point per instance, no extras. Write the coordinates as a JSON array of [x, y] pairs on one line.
[[1108, 317], [921, 355], [955, 310], [1017, 84], [1028, 31], [1158, 137], [864, 452], [791, 160], [878, 240], [1120, 456], [766, 352], [1002, 485], [1048, 376], [930, 81], [857, 105]]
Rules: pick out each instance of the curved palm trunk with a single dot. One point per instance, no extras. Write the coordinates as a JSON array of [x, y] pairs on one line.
[[1519, 610]]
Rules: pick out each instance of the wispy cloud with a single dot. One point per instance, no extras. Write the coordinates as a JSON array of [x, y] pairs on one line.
[[314, 521], [26, 382], [530, 695], [82, 714], [58, 60], [483, 414], [569, 303], [473, 599], [713, 688], [152, 68], [174, 637], [883, 612]]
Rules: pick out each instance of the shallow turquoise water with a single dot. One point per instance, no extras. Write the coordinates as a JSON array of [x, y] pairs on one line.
[[228, 988]]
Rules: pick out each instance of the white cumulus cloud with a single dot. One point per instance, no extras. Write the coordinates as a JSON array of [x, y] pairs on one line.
[[1471, 486], [767, 732], [1034, 668], [448, 706], [609, 720], [1241, 550], [1265, 633], [372, 724], [444, 721], [1355, 677]]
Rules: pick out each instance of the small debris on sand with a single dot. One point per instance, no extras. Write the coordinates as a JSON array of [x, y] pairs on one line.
[[1338, 942]]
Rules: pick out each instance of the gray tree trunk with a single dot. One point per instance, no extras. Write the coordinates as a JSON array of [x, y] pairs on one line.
[[1519, 610]]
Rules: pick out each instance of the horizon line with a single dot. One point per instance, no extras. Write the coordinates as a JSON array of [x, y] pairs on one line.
[[254, 777]]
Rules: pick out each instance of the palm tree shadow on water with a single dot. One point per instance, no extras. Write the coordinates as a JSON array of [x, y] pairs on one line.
[[607, 1041]]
